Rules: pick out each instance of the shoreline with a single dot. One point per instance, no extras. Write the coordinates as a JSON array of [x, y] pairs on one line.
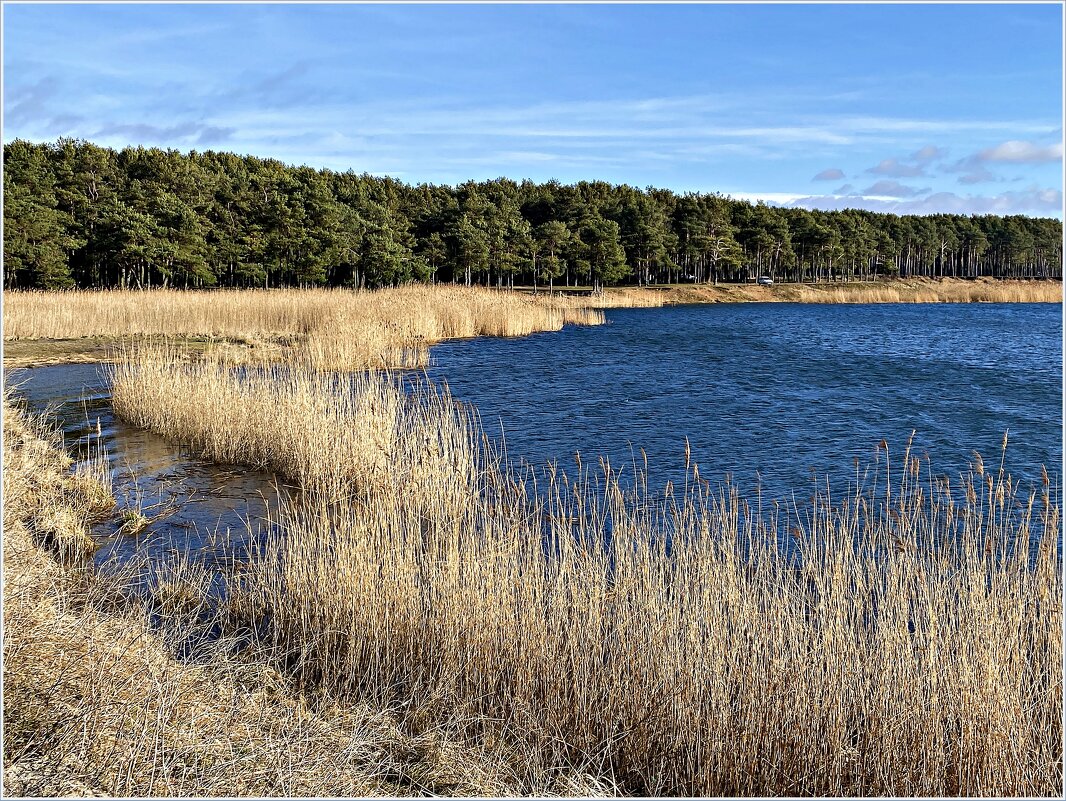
[[27, 352], [78, 647], [261, 686], [897, 290]]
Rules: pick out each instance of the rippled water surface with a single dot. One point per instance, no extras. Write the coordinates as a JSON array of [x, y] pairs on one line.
[[769, 394], [776, 390]]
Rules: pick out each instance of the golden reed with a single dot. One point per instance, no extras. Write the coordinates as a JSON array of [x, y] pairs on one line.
[[902, 640], [326, 329]]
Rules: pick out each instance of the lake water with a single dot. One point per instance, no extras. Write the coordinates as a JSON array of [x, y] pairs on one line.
[[206, 512], [773, 395], [778, 391]]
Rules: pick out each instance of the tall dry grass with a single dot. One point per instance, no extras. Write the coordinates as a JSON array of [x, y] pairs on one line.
[[909, 290], [901, 640], [103, 696], [942, 292], [624, 298], [326, 329], [345, 330]]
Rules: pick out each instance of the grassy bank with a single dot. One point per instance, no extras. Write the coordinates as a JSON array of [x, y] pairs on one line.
[[325, 329], [339, 329], [97, 703], [900, 641], [905, 290]]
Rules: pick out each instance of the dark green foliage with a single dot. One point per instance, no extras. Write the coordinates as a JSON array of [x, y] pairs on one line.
[[550, 241], [80, 215], [598, 252], [36, 239]]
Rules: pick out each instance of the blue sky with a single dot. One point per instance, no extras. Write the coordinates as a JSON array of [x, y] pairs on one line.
[[908, 108]]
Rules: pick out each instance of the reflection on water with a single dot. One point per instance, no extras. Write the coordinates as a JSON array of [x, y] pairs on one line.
[[211, 513]]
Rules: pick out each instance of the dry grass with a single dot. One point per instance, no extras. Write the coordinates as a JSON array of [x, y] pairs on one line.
[[345, 330], [910, 290], [901, 640], [96, 702], [915, 291], [326, 329], [624, 298], [61, 506]]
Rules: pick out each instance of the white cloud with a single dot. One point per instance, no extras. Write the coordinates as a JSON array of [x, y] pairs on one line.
[[892, 189], [1035, 201], [1019, 152], [830, 174], [974, 168]]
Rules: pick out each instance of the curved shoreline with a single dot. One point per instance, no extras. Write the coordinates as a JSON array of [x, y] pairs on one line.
[[898, 290], [33, 351]]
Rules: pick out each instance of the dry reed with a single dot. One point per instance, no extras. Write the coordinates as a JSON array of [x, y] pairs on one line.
[[96, 703], [326, 329], [412, 314], [944, 292], [909, 290], [343, 330], [903, 640]]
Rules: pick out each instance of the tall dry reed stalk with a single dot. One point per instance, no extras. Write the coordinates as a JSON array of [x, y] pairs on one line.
[[102, 696], [902, 640], [624, 298]]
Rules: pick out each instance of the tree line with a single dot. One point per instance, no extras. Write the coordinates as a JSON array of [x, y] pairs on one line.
[[76, 214]]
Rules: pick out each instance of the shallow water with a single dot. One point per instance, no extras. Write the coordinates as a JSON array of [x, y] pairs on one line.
[[781, 392], [208, 512]]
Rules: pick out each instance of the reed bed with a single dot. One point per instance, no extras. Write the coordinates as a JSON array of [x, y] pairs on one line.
[[326, 329], [949, 292], [624, 298], [904, 639], [907, 290], [102, 696], [391, 328], [416, 313]]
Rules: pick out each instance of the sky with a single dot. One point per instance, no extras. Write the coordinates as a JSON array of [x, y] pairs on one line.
[[904, 108]]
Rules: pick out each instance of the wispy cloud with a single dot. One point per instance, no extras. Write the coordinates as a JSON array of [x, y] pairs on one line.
[[199, 133], [284, 88], [896, 169], [1034, 200], [160, 33], [1019, 152], [27, 104], [948, 126], [912, 166], [831, 174], [889, 188], [928, 153]]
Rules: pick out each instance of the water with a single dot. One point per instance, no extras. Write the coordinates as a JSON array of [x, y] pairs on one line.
[[208, 512], [775, 394], [772, 395]]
